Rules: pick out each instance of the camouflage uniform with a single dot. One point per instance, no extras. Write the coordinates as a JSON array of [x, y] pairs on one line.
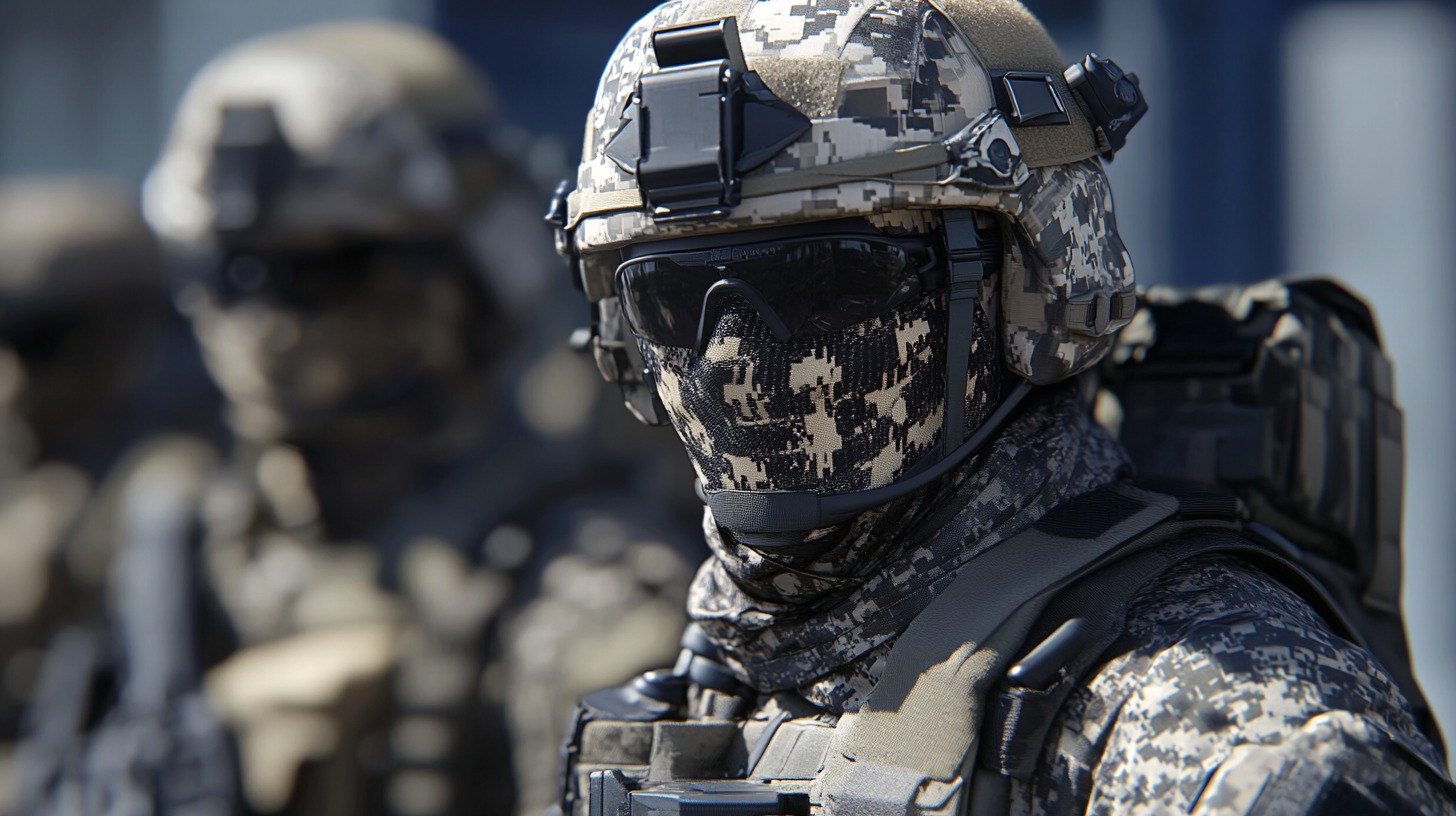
[[75, 421], [398, 563], [1217, 659], [458, 620], [1233, 697], [910, 113]]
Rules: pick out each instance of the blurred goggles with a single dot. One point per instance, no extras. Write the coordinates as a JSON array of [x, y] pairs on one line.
[[800, 286], [318, 279]]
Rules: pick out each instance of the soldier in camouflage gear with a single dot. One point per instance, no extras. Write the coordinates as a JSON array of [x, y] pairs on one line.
[[396, 566], [83, 312], [859, 255]]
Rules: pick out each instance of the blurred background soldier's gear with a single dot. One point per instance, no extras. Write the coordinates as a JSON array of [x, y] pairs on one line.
[[899, 520], [354, 247], [82, 304], [92, 361], [154, 744]]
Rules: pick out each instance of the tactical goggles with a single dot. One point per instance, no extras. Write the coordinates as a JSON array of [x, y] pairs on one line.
[[799, 286], [318, 279]]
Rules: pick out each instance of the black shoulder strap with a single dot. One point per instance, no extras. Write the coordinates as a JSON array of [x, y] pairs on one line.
[[1081, 627]]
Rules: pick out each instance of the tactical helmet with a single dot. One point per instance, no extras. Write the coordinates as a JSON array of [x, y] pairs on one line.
[[334, 143], [725, 115], [82, 298]]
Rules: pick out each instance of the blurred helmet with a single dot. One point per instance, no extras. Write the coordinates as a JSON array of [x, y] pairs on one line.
[[82, 297], [332, 188], [947, 117]]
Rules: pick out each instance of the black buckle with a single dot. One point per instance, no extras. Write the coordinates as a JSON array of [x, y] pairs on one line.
[[700, 122], [1111, 98], [968, 254], [690, 119]]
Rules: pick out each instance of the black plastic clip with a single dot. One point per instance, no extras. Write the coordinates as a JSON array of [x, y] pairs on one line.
[[1112, 99], [556, 215], [1029, 98], [253, 161], [690, 119], [699, 122]]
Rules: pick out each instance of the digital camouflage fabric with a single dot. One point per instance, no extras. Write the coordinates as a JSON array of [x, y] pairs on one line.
[[1222, 675], [823, 624], [849, 410], [881, 82], [1222, 678], [1233, 698]]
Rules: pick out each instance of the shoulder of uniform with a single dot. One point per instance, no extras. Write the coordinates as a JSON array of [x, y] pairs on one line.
[[1216, 653], [1336, 763], [1217, 589], [1220, 662]]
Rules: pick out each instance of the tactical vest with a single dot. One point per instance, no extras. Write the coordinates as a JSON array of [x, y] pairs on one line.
[[972, 688], [962, 706]]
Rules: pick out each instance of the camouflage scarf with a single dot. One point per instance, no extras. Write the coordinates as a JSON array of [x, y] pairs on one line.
[[824, 623]]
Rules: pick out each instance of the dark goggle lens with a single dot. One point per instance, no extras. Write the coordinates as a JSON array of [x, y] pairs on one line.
[[319, 279], [811, 286]]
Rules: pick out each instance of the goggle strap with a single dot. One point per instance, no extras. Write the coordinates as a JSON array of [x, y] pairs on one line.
[[967, 271]]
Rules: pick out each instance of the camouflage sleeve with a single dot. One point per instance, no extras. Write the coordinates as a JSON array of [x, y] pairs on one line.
[[1230, 677], [1337, 763]]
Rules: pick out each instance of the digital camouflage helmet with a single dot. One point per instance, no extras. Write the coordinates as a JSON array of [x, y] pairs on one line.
[[306, 167], [718, 116], [83, 303]]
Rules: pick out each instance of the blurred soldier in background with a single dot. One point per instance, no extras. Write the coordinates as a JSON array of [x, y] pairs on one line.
[[83, 314], [394, 569]]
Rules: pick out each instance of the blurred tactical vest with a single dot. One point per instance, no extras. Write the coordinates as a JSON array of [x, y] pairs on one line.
[[385, 598]]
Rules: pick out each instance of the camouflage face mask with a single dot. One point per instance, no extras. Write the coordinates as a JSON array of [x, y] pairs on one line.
[[842, 411]]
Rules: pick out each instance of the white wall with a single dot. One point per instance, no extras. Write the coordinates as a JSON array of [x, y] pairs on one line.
[[1371, 91], [1133, 35]]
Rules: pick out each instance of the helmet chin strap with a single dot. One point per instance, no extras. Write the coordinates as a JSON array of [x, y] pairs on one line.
[[789, 511]]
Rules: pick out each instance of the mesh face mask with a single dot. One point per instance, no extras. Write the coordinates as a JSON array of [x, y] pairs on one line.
[[841, 411]]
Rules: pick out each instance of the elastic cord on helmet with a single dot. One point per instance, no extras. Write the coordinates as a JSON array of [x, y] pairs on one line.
[[784, 511]]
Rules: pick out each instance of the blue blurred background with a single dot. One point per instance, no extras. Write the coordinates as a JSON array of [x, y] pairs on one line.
[[1286, 138]]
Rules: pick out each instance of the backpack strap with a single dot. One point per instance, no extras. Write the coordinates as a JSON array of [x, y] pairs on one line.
[[907, 749], [1080, 630]]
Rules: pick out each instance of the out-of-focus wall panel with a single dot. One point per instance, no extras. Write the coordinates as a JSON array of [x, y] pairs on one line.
[[78, 86], [1371, 106]]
